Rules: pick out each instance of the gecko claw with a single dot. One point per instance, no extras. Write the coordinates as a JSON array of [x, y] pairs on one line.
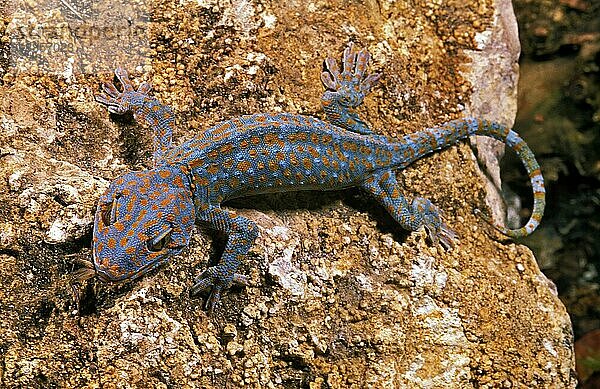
[[212, 280]]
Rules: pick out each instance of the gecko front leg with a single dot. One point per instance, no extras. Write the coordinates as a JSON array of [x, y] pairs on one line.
[[160, 117], [241, 233]]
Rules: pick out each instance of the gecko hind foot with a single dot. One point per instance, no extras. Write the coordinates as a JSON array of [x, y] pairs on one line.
[[437, 231], [445, 236], [113, 99]]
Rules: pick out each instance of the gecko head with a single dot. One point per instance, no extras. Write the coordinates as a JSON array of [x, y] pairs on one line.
[[141, 220]]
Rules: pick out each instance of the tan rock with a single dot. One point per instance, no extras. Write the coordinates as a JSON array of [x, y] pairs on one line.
[[340, 296]]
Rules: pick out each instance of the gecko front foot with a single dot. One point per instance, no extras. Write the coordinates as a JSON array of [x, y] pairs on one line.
[[115, 101], [350, 84], [216, 279]]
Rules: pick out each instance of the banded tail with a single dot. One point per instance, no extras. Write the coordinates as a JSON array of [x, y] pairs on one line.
[[416, 145]]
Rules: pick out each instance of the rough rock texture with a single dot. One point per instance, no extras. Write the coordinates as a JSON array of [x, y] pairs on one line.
[[340, 297]]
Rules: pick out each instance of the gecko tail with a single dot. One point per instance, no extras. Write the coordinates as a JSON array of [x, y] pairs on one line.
[[418, 144], [514, 141]]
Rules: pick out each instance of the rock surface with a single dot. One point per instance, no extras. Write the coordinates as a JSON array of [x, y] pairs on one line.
[[340, 297]]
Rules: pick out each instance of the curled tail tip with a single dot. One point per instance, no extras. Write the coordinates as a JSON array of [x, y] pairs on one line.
[[516, 233]]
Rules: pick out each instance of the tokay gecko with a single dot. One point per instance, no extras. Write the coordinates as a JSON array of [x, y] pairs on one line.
[[146, 217]]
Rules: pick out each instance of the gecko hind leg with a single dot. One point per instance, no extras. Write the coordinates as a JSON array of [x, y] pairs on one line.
[[419, 213], [347, 89]]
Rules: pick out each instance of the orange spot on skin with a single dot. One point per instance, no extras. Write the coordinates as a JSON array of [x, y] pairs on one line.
[[167, 201], [213, 169], [271, 139], [306, 163], [149, 224], [252, 153], [279, 156], [164, 173], [260, 165], [222, 128], [243, 144], [178, 182], [226, 149], [313, 151], [228, 163], [130, 250], [326, 138], [272, 165], [325, 161], [534, 173], [111, 243], [365, 150], [213, 154], [244, 166], [255, 140], [262, 178], [196, 162], [350, 146], [202, 181], [314, 138], [293, 159], [287, 173], [119, 226]]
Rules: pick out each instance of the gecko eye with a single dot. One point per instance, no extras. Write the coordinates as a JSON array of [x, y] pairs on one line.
[[160, 242]]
